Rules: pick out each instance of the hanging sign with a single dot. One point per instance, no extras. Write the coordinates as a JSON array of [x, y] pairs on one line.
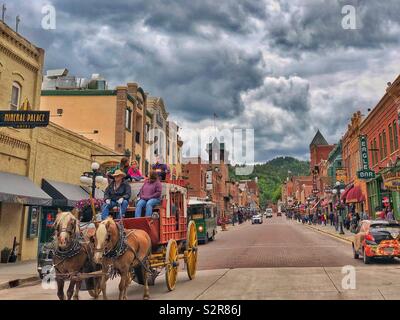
[[24, 118], [391, 181], [365, 172], [341, 175]]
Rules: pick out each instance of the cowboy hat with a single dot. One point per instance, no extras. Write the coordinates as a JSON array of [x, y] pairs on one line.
[[119, 173]]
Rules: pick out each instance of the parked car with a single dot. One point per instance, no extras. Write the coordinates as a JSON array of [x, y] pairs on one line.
[[268, 214], [377, 239], [257, 218]]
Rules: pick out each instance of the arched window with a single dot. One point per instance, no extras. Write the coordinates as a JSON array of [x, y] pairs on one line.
[[15, 96]]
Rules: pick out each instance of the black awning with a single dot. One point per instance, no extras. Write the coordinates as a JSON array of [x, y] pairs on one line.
[[64, 194], [20, 189]]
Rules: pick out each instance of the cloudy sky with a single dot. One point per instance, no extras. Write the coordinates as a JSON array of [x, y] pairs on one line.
[[283, 68]]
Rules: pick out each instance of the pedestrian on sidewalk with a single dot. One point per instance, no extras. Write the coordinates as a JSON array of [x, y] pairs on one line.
[[364, 216], [389, 214]]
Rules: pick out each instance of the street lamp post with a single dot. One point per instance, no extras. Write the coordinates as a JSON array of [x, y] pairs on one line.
[[91, 178], [337, 191]]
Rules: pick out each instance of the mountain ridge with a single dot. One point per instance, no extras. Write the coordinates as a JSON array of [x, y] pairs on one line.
[[272, 174]]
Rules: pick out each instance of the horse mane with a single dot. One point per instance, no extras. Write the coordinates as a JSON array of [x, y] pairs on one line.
[[63, 218], [101, 231]]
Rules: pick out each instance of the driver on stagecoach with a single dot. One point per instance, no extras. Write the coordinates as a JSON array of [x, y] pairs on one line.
[[118, 194]]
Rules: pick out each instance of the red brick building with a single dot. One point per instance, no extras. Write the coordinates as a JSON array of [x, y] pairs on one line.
[[352, 164], [319, 150], [196, 177], [381, 127]]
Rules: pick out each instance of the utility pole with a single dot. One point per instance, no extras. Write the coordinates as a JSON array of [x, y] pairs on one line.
[[3, 12], [17, 21]]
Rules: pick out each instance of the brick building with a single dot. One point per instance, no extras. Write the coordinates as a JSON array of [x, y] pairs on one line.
[[381, 127], [319, 150], [195, 173], [352, 164], [29, 157], [114, 118]]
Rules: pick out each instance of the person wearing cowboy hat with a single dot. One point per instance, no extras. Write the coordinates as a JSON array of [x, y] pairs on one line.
[[117, 193]]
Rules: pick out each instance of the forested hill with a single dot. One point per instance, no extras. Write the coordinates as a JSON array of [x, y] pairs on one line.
[[271, 175]]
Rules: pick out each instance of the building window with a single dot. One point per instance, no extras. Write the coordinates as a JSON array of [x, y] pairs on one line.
[[146, 168], [128, 119], [380, 147], [137, 137], [384, 144], [395, 135], [159, 120], [15, 96], [391, 139], [376, 151], [372, 153]]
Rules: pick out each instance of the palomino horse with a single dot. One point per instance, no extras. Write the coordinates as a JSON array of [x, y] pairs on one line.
[[122, 253], [71, 255]]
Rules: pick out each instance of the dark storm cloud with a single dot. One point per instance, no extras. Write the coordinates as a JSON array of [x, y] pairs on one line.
[[205, 77], [284, 68], [310, 25]]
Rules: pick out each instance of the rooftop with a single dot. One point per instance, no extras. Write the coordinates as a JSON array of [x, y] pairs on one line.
[[319, 140]]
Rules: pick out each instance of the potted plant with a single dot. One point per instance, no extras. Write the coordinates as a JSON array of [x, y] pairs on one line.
[[85, 208], [5, 255]]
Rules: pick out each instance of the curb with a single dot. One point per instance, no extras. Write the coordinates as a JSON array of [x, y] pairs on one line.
[[18, 282], [330, 234]]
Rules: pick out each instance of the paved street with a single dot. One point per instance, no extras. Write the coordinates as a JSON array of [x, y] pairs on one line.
[[275, 243], [279, 259]]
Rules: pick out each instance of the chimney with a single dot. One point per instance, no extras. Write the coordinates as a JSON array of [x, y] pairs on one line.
[[132, 88]]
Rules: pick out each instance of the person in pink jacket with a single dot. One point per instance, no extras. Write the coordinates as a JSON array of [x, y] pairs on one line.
[[134, 172]]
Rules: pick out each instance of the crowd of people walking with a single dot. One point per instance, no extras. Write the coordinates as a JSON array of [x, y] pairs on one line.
[[349, 218]]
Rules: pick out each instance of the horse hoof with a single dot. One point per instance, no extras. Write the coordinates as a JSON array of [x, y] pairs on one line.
[[146, 297]]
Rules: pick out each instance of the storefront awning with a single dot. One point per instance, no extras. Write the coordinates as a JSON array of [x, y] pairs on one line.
[[66, 194], [346, 191], [20, 189], [355, 195]]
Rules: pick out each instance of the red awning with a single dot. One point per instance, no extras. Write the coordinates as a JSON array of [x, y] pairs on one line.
[[355, 195], [346, 191]]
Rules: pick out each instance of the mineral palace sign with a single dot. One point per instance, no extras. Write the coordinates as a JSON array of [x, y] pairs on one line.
[[24, 118]]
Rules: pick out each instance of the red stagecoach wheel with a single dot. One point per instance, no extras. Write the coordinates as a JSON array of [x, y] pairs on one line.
[[171, 264], [191, 249]]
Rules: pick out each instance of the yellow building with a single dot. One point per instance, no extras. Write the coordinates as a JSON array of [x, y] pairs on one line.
[[115, 118], [31, 158]]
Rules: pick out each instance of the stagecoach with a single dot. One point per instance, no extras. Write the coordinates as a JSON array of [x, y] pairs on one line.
[[173, 237], [170, 238]]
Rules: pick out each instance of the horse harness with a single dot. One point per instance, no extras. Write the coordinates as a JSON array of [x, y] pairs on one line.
[[122, 246]]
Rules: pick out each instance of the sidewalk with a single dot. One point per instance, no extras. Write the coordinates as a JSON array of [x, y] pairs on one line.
[[15, 274], [330, 230]]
